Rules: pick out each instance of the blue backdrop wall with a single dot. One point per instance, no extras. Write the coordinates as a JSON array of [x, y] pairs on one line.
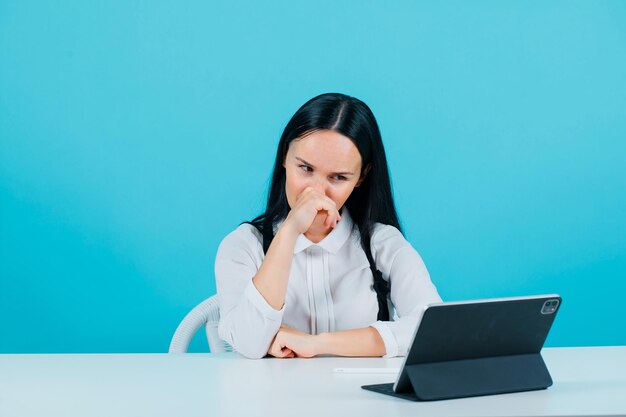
[[135, 135]]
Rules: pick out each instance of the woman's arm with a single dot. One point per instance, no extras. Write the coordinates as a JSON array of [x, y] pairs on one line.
[[252, 289], [411, 287], [356, 342], [273, 275], [247, 321], [364, 342]]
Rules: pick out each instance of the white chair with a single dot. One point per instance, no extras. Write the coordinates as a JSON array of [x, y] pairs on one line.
[[206, 314]]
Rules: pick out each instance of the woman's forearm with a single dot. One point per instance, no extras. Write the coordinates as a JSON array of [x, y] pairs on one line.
[[357, 342], [273, 275]]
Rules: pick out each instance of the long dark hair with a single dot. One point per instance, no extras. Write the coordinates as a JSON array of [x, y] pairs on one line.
[[369, 203]]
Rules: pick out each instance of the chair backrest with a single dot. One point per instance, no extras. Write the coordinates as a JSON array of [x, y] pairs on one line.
[[206, 314]]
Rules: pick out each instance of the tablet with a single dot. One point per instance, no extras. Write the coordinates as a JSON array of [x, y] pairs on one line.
[[480, 347]]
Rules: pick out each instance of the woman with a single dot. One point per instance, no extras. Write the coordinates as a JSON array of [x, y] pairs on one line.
[[311, 275]]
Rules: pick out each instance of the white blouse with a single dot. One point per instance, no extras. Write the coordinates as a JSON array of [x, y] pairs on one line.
[[329, 289]]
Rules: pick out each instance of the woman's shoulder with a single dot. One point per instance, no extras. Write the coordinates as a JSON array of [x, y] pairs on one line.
[[245, 236], [383, 232], [388, 239]]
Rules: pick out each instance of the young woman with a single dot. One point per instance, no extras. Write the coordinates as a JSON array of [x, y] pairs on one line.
[[314, 274]]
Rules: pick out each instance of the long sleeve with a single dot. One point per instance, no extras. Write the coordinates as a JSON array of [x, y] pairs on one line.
[[411, 287], [247, 321]]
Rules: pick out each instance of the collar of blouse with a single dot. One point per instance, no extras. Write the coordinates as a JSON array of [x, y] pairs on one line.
[[332, 242]]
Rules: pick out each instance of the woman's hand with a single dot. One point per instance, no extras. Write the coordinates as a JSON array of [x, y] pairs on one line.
[[309, 204], [291, 343]]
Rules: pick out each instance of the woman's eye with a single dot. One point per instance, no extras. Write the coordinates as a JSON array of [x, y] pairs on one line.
[[339, 178], [306, 168]]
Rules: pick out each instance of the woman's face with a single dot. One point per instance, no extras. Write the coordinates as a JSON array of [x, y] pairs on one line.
[[325, 160]]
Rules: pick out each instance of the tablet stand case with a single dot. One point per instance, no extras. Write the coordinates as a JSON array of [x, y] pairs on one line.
[[472, 377], [486, 348]]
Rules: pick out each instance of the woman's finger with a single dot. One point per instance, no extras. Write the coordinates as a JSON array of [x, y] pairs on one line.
[[310, 204], [327, 205]]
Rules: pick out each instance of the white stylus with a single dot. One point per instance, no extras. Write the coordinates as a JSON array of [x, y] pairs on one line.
[[366, 370]]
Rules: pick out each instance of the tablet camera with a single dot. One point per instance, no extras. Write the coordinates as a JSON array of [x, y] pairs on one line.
[[549, 306]]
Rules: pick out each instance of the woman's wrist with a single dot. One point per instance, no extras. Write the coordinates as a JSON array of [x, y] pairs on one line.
[[287, 229], [323, 345]]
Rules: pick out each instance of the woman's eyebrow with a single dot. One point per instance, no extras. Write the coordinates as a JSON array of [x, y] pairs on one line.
[[312, 166]]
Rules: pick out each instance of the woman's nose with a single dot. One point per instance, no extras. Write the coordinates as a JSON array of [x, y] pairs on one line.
[[319, 185]]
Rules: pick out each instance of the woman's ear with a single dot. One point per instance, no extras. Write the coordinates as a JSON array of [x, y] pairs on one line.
[[364, 174]]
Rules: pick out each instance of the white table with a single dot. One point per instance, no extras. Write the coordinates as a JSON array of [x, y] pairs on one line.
[[587, 381]]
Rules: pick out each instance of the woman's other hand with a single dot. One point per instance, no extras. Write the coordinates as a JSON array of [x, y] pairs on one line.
[[291, 343]]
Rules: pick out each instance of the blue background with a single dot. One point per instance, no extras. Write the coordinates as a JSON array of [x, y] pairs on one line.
[[135, 135]]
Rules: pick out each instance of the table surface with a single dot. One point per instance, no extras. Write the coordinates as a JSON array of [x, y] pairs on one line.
[[587, 381]]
